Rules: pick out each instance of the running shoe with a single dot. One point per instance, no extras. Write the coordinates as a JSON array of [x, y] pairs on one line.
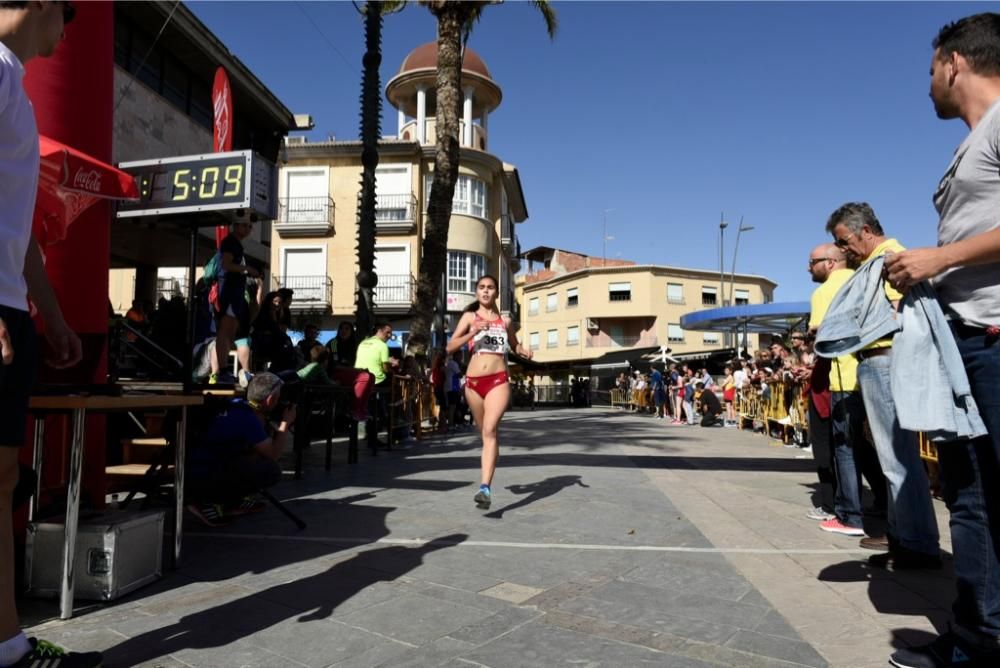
[[46, 655], [819, 514], [210, 514], [483, 498], [836, 526], [250, 504], [245, 377]]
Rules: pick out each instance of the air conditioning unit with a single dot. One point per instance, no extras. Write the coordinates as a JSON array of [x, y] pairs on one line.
[[295, 140], [592, 324]]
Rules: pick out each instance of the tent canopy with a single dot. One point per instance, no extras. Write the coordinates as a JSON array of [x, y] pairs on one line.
[[751, 318]]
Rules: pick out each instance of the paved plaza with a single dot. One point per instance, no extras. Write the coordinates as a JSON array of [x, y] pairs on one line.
[[614, 540]]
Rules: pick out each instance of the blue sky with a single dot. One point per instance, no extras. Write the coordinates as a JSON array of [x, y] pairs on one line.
[[668, 113]]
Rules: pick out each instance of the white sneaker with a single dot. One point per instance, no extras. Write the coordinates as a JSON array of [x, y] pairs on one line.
[[244, 378], [820, 515]]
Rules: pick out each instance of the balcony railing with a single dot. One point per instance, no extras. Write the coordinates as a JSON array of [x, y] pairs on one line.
[[305, 216], [394, 290], [312, 293], [604, 340], [507, 237], [396, 212]]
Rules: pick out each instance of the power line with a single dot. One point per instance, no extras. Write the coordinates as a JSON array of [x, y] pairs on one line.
[[315, 25], [142, 63]]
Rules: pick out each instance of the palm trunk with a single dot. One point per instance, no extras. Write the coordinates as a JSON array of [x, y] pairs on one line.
[[451, 17], [371, 114]]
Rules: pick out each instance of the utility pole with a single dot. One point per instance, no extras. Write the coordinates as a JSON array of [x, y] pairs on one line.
[[722, 272]]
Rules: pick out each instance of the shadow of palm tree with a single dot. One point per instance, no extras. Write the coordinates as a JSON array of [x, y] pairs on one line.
[[537, 491], [305, 599]]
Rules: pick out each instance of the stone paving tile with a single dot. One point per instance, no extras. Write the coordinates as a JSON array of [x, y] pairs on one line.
[[543, 646], [315, 643], [414, 618], [494, 626], [794, 651]]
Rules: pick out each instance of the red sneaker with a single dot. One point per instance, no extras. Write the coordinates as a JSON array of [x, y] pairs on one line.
[[836, 526]]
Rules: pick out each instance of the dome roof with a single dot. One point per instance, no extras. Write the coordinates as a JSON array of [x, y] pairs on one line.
[[424, 57]]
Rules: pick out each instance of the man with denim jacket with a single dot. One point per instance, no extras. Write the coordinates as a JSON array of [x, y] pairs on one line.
[[965, 269], [913, 531]]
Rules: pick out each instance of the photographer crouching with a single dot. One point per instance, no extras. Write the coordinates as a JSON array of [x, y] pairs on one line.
[[235, 453]]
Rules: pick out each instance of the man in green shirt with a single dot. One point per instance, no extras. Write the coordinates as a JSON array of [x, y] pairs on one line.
[[373, 354]]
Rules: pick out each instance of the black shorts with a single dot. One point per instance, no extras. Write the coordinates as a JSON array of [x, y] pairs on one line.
[[17, 378]]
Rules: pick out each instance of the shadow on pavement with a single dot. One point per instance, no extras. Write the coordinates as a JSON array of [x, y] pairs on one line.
[[306, 599], [537, 491], [907, 593]]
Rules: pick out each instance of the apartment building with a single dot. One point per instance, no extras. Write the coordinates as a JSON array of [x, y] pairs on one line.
[[577, 308], [315, 236]]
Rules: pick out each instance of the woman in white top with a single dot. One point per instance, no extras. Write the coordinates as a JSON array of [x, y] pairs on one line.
[[487, 385]]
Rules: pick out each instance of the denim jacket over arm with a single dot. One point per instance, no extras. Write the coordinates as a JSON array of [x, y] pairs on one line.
[[859, 314], [929, 386]]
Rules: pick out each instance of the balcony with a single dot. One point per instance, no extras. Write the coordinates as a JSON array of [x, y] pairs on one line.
[[508, 240], [395, 293], [409, 133], [312, 293], [605, 340], [304, 216], [396, 213]]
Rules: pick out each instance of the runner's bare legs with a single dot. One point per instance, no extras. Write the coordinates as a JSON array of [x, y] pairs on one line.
[[487, 413]]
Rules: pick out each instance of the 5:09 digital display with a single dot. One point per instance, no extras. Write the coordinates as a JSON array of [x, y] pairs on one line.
[[205, 182]]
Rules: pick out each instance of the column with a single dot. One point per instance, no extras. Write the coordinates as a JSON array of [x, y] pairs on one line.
[[482, 122], [467, 118], [400, 122], [422, 115]]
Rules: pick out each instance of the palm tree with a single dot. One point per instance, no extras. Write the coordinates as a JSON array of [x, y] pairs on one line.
[[371, 116], [455, 20]]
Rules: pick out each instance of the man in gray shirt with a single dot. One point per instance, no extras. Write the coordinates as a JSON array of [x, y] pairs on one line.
[[965, 269]]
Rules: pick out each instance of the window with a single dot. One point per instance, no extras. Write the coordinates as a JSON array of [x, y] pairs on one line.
[[709, 295], [533, 341], [572, 298], [620, 292], [533, 306], [675, 333], [551, 302], [552, 338], [573, 335], [470, 197], [675, 293], [464, 269], [710, 338], [741, 297]]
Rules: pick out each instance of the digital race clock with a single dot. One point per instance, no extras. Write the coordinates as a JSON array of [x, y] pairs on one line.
[[220, 182]]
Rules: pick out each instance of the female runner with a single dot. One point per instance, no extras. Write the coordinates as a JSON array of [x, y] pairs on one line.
[[487, 387]]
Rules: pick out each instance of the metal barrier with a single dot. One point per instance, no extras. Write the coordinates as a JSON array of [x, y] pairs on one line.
[[411, 403], [783, 410]]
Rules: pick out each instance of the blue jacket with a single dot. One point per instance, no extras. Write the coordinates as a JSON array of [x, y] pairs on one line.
[[929, 386]]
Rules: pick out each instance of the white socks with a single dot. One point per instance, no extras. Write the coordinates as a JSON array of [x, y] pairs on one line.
[[11, 651]]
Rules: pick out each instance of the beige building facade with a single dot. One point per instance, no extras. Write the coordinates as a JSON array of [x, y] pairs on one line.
[[314, 245], [576, 308]]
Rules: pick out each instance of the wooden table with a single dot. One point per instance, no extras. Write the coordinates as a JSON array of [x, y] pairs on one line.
[[78, 406]]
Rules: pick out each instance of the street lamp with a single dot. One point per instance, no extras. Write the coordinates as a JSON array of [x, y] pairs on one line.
[[722, 273], [605, 238], [732, 274]]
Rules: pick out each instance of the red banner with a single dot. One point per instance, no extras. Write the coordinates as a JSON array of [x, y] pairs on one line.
[[222, 135]]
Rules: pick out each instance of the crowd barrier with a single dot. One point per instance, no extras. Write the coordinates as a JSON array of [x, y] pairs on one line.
[[782, 412], [411, 404]]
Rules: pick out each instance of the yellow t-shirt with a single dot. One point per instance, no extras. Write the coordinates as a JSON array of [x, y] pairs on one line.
[[843, 370], [889, 245]]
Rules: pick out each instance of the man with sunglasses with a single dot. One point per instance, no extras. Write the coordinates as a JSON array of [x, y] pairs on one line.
[[27, 30], [965, 269], [913, 531]]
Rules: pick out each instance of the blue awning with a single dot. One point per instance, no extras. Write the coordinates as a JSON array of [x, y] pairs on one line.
[[752, 318]]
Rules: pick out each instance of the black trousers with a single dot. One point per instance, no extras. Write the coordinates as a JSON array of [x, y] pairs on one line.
[[821, 439]]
